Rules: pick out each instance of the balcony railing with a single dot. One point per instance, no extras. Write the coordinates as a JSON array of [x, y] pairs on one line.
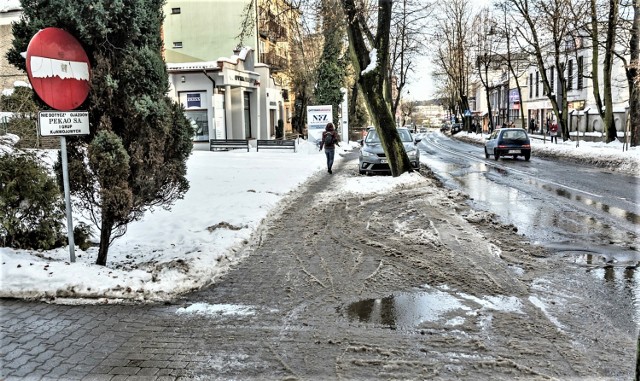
[[276, 62]]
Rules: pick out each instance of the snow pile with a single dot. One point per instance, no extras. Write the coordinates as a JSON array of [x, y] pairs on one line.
[[7, 143], [171, 252]]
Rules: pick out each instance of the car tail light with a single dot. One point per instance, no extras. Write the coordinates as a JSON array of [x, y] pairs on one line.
[[502, 146], [526, 146]]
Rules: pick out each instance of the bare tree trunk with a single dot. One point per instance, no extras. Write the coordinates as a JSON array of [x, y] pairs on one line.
[[491, 126], [595, 57], [353, 101], [105, 239], [372, 83], [609, 124], [633, 78]]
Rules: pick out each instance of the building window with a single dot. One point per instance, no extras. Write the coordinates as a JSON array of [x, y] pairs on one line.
[[531, 85], [552, 80], [196, 113], [175, 11], [177, 44], [580, 73], [537, 84], [570, 75], [199, 124]]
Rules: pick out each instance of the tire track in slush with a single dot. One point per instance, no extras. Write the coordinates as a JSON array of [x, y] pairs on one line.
[[318, 257]]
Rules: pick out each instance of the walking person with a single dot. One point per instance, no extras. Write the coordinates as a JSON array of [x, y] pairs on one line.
[[553, 132], [330, 139]]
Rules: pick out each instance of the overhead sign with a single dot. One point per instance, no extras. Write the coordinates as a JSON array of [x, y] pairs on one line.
[[59, 123], [58, 69]]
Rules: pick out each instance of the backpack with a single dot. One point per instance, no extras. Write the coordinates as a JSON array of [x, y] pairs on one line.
[[328, 139]]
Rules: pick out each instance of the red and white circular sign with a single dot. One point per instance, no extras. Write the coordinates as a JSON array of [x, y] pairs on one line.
[[58, 69]]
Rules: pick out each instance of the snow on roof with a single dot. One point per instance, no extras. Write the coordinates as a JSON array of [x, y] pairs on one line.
[[242, 55], [9, 5], [186, 66]]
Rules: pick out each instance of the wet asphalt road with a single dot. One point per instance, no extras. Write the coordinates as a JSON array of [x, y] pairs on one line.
[[589, 216]]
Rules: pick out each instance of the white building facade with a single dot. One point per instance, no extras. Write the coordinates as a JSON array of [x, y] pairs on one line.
[[230, 98], [583, 114]]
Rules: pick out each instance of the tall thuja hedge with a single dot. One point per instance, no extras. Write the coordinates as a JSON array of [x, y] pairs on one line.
[[332, 68], [135, 157]]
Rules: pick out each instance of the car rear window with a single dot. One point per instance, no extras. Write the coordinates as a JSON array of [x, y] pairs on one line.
[[514, 135]]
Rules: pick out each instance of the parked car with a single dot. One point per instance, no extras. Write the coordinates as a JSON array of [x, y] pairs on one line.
[[373, 158], [455, 128], [508, 142], [445, 127]]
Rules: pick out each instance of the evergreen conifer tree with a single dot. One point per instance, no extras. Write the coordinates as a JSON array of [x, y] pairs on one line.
[[331, 71], [135, 157]]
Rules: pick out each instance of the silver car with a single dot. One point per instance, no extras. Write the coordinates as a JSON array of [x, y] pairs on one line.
[[373, 158]]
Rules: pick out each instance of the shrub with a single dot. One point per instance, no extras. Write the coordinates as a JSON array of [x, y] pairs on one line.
[[280, 129], [31, 207]]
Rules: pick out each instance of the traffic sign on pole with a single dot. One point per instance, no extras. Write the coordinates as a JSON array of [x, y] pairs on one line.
[[59, 72]]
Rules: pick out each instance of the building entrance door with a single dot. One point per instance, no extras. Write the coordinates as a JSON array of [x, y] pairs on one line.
[[272, 122], [247, 116]]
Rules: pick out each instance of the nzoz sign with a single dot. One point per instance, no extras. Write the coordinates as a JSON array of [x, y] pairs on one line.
[[319, 116], [61, 123]]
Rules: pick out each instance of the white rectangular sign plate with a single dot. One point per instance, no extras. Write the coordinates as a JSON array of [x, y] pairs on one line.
[[63, 123]]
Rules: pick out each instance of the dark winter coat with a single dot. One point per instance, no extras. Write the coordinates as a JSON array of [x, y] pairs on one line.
[[336, 139]]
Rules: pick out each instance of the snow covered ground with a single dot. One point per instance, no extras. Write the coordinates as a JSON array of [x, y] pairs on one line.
[[193, 244]]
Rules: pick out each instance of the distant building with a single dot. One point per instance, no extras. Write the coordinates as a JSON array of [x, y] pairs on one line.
[[430, 114], [9, 12], [193, 40], [583, 114]]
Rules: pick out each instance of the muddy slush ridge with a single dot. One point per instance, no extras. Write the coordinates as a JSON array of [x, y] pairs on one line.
[[320, 253]]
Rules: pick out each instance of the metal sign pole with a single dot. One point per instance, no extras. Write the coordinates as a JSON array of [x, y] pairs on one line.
[[67, 197]]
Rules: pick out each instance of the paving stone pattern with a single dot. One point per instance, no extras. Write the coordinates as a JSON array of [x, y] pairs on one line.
[[111, 342]]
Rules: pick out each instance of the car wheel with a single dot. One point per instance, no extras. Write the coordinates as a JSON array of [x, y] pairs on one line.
[[362, 172], [486, 154], [496, 154], [527, 156]]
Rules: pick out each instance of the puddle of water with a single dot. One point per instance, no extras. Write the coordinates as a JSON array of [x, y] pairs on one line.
[[408, 309]]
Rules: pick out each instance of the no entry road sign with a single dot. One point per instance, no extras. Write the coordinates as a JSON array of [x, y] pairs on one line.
[[58, 69]]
